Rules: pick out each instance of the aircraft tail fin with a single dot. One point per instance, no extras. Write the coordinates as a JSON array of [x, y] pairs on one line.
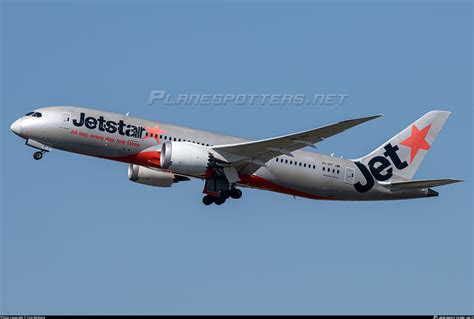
[[408, 148]]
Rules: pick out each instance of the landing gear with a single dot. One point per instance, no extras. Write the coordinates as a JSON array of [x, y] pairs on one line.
[[225, 194], [208, 200], [39, 146], [219, 201], [221, 198], [218, 189], [38, 155], [235, 193]]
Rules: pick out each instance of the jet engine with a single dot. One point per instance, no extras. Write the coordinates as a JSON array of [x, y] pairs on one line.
[[185, 158], [144, 175]]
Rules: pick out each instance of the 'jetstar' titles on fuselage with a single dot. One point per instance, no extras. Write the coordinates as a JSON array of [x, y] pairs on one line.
[[377, 166], [109, 126]]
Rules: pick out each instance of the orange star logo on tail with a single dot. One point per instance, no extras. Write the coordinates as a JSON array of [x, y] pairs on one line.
[[417, 141], [154, 132]]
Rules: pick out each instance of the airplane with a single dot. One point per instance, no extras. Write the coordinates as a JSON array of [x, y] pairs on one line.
[[160, 154]]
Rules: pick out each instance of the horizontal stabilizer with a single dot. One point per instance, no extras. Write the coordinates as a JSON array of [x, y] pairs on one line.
[[418, 184]]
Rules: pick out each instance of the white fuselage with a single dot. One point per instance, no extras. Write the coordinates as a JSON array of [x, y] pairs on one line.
[[135, 141]]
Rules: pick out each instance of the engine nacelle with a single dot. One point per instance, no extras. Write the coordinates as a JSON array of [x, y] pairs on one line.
[[185, 158], [144, 175]]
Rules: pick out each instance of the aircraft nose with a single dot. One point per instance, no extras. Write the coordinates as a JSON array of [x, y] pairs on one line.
[[16, 127]]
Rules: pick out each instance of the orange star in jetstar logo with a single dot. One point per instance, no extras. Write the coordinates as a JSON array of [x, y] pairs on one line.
[[154, 132], [417, 141]]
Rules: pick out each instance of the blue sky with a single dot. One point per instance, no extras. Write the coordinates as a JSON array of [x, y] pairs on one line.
[[78, 237]]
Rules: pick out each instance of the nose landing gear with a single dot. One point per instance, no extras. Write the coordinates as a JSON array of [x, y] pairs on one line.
[[38, 155], [39, 146]]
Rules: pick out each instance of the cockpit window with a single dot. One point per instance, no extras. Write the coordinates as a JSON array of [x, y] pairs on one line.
[[34, 114]]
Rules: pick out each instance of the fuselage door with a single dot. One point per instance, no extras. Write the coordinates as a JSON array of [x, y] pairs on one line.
[[65, 120], [349, 175]]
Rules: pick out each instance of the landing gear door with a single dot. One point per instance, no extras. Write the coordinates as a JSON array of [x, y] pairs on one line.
[[349, 175], [65, 120]]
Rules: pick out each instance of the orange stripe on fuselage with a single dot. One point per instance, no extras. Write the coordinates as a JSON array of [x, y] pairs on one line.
[[143, 158]]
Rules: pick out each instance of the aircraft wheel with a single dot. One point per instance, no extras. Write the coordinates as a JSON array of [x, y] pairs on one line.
[[225, 194], [236, 193], [207, 200], [219, 201], [38, 155]]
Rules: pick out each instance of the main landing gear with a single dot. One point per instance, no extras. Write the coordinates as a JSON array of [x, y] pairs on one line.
[[225, 194], [218, 190], [38, 155], [235, 193]]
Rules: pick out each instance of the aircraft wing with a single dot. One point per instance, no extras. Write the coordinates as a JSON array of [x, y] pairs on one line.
[[418, 184], [249, 156]]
